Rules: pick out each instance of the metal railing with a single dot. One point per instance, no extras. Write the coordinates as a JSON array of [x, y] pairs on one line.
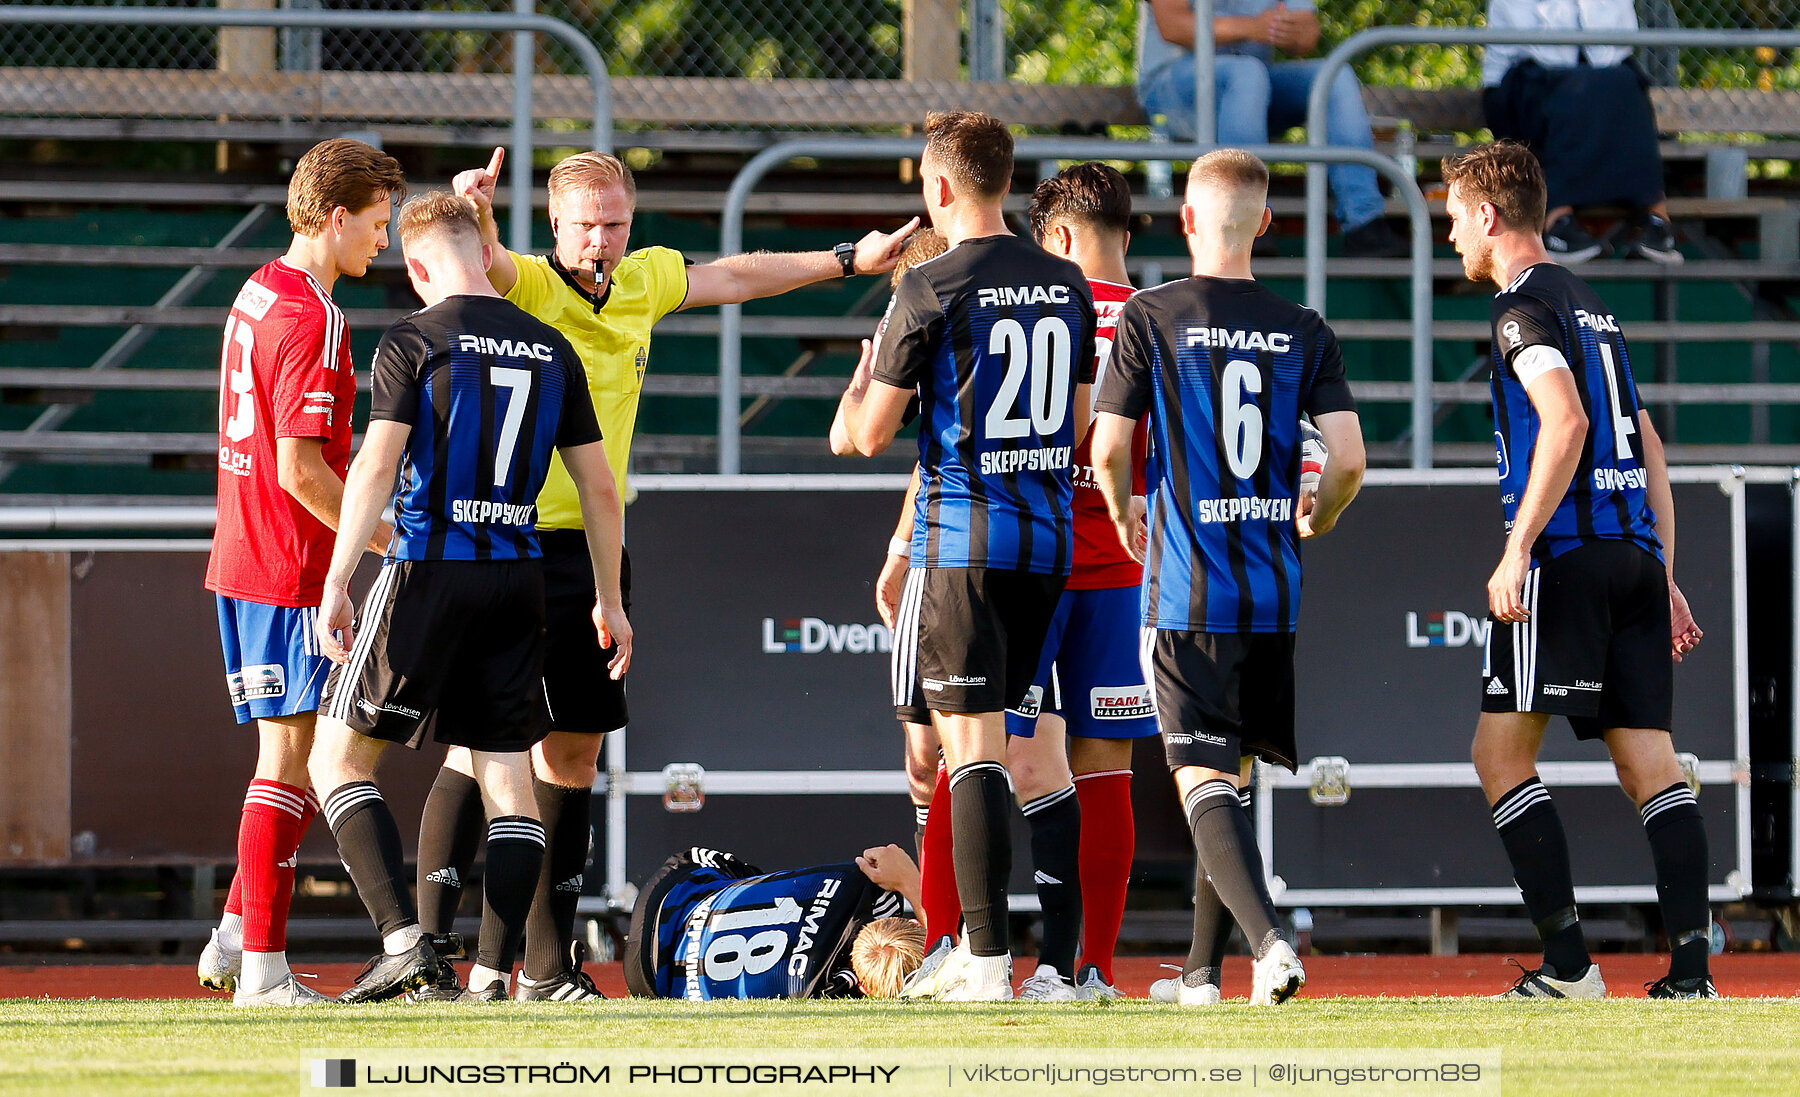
[[519, 227], [731, 242], [1364, 41]]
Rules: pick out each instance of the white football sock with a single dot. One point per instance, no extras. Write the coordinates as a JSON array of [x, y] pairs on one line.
[[402, 939], [481, 978], [262, 971], [231, 930], [990, 969]]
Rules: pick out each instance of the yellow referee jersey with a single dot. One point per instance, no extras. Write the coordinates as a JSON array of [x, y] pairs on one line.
[[614, 343]]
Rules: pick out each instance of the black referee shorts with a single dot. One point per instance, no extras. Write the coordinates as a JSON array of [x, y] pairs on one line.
[[450, 647], [1222, 695], [582, 696], [1596, 649]]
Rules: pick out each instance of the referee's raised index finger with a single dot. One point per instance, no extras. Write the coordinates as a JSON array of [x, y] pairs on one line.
[[495, 161]]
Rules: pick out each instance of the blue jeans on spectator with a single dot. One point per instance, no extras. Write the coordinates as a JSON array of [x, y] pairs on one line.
[[1255, 97]]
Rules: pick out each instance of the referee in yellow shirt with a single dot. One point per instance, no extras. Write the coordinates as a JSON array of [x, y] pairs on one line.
[[606, 300]]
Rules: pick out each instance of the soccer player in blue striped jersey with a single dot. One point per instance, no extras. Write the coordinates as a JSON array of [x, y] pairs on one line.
[[996, 337], [1223, 369], [471, 397], [1587, 619]]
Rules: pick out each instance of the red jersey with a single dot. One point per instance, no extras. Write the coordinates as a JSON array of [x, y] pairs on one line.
[[285, 372], [1101, 562]]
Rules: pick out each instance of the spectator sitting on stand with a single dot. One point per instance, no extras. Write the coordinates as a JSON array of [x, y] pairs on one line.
[[1585, 111], [1257, 95]]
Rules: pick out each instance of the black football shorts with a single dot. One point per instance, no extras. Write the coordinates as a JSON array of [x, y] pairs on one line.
[[1222, 695], [581, 694], [967, 640], [453, 648], [1596, 649]]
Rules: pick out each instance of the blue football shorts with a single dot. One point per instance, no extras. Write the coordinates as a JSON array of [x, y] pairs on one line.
[[1091, 673], [273, 666]]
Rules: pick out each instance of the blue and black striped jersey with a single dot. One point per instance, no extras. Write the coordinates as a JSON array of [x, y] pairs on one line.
[[1222, 368], [995, 334], [709, 926], [489, 393], [1548, 307]]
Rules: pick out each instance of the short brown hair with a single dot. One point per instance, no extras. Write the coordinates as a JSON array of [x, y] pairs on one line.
[[590, 171], [439, 213], [974, 149], [1091, 194], [927, 243], [884, 955], [1505, 174], [340, 172]]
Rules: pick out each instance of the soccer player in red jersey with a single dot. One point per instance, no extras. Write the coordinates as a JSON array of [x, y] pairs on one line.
[[285, 398]]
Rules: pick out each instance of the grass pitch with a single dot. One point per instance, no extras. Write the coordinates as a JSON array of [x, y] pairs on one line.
[[1692, 1049]]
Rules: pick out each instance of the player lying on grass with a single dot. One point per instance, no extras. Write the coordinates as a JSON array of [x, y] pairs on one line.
[[708, 925], [471, 396]]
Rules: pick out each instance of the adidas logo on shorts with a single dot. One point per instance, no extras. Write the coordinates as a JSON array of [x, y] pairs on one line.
[[1497, 688]]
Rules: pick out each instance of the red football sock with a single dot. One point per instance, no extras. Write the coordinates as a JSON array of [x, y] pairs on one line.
[[284, 872], [1108, 843], [234, 899], [937, 873], [268, 837]]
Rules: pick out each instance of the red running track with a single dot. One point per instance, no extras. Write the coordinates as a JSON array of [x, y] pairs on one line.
[[1747, 974]]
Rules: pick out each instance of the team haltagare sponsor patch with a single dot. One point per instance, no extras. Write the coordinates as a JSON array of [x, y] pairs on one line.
[[1120, 702]]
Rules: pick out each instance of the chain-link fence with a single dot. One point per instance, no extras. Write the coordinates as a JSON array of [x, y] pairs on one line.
[[1045, 41]]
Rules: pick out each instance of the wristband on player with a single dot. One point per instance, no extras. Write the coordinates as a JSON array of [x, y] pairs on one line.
[[899, 546], [846, 257]]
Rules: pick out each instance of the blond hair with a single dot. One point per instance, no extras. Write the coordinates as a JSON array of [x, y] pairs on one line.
[[438, 213], [927, 243], [340, 172], [1504, 174], [885, 953], [1238, 186], [589, 172]]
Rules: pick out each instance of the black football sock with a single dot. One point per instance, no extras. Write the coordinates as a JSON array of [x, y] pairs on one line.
[[980, 811], [551, 924], [515, 855], [1212, 926], [1212, 930], [1226, 845], [449, 837], [369, 842], [1535, 844], [921, 812], [1678, 845], [1055, 822]]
